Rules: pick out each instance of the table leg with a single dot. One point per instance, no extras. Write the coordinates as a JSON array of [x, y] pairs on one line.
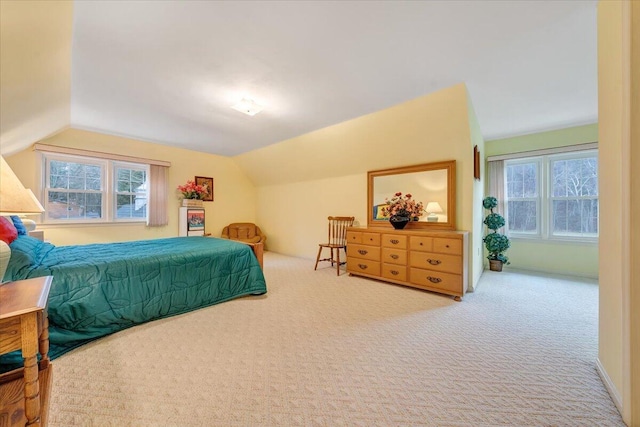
[[43, 341], [29, 332]]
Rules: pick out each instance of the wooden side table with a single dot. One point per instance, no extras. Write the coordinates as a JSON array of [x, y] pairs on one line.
[[24, 392]]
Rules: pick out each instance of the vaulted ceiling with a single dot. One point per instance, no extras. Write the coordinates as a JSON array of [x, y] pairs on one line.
[[169, 71]]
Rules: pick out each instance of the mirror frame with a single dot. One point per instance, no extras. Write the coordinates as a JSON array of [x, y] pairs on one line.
[[449, 166]]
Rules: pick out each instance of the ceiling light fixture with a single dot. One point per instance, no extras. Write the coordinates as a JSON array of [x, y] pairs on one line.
[[248, 106]]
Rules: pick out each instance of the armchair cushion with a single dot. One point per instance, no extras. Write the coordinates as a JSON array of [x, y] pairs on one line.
[[244, 232]]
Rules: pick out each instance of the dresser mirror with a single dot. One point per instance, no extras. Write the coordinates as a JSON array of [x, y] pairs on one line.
[[433, 184]]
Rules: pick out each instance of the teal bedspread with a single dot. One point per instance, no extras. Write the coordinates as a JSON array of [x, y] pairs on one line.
[[103, 288]]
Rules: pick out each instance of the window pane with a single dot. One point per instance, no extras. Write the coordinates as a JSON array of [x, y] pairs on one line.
[[522, 216], [559, 180], [575, 217], [129, 206], [575, 177], [530, 180], [65, 205]]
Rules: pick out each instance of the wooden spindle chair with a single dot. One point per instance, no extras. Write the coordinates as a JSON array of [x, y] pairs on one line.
[[337, 240]]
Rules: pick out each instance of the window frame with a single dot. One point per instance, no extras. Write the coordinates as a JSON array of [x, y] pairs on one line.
[[545, 195], [108, 188]]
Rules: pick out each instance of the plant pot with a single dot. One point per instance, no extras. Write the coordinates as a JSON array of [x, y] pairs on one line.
[[192, 203], [399, 223], [495, 265]]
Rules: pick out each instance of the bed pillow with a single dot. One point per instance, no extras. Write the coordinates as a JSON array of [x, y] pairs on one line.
[[8, 232], [17, 223]]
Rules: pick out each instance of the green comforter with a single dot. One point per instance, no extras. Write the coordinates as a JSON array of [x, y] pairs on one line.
[[103, 288]]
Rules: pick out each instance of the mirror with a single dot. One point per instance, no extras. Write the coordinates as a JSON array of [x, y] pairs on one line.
[[433, 184]]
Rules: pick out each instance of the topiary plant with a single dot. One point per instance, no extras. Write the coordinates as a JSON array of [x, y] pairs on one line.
[[495, 242]]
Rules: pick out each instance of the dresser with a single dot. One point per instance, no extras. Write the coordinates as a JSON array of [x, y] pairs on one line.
[[431, 260]]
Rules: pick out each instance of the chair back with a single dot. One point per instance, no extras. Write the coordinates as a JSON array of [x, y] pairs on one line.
[[338, 229]]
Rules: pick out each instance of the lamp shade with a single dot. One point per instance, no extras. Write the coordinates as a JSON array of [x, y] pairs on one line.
[[14, 198], [433, 207]]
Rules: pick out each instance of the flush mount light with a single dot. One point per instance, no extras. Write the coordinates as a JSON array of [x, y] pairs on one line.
[[248, 106]]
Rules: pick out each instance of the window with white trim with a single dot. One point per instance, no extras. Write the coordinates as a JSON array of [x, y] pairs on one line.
[[553, 196], [86, 190]]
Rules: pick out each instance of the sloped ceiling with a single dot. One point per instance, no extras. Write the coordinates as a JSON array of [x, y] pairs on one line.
[[168, 71], [35, 71]]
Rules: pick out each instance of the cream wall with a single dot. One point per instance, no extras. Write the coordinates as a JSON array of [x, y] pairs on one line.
[[576, 259], [302, 181], [234, 194], [475, 241], [35, 82], [619, 133]]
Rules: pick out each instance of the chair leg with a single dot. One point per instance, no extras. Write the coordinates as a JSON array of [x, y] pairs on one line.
[[331, 257], [318, 257], [338, 263]]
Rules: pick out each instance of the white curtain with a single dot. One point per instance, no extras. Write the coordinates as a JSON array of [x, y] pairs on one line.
[[158, 183], [496, 183]]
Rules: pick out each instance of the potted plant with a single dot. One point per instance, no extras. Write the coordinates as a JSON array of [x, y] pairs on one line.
[[496, 243]]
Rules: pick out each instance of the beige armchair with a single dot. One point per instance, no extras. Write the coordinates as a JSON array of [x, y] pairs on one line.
[[244, 231]]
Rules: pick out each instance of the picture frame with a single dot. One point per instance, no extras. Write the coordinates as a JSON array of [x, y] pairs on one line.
[[208, 182], [476, 162], [195, 220]]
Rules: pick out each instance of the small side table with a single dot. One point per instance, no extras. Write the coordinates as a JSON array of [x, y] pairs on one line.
[[24, 326]]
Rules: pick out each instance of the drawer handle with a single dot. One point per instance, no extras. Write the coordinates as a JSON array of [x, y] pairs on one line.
[[434, 279], [446, 246], [394, 241], [394, 272], [420, 243], [363, 266], [434, 261], [394, 256], [362, 252]]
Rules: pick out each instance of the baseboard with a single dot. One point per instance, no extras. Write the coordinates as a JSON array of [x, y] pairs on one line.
[[613, 392]]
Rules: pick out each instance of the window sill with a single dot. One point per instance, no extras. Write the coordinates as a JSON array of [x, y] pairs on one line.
[[556, 240]]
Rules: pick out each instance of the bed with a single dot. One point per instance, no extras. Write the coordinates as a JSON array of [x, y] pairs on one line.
[[99, 289]]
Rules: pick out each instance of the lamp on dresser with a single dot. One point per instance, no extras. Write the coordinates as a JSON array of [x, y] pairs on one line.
[[15, 199], [433, 208]]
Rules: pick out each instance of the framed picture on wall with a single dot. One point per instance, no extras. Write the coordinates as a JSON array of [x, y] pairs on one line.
[[476, 162], [207, 182]]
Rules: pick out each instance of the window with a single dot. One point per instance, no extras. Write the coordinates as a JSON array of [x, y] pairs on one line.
[[553, 196], [523, 196], [82, 189]]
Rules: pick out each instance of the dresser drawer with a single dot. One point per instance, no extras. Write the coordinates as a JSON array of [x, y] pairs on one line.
[[354, 237], [394, 241], [371, 239], [365, 266], [394, 256], [436, 279], [364, 252], [395, 272], [447, 246], [438, 262], [421, 243]]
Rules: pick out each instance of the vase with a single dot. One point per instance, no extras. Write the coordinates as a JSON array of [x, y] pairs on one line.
[[399, 222], [192, 203]]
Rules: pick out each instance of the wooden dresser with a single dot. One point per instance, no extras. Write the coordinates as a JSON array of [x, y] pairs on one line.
[[430, 260]]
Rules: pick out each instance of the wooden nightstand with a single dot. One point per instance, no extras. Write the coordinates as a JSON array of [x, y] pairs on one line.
[[24, 392]]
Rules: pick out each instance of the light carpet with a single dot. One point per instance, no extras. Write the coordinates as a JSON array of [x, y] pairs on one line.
[[322, 350]]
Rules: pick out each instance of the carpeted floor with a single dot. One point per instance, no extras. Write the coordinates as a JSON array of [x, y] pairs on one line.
[[321, 350]]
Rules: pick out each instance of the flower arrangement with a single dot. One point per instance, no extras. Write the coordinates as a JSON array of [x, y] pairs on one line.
[[191, 190], [404, 207]]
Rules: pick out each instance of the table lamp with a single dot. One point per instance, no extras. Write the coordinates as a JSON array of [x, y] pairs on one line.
[[432, 209], [14, 200]]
